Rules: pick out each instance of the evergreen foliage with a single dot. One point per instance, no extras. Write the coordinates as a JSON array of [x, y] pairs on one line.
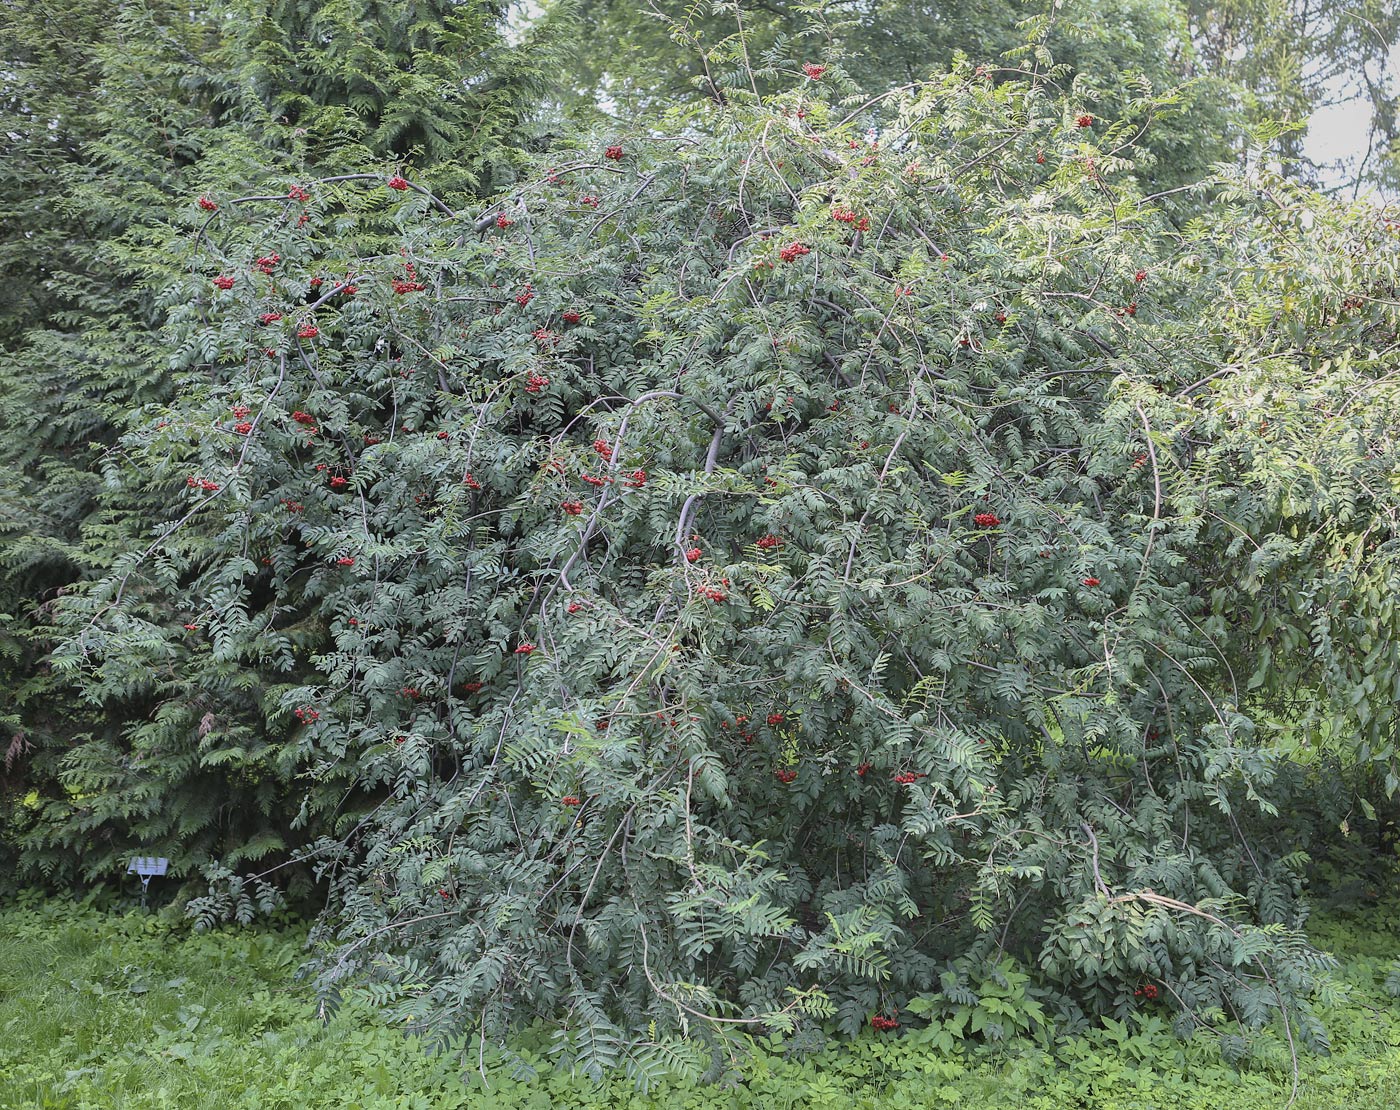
[[169, 105]]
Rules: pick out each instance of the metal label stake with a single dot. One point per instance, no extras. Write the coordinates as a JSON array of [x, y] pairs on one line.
[[145, 867]]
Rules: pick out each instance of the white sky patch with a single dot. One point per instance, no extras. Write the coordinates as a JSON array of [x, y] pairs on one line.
[[1338, 135]]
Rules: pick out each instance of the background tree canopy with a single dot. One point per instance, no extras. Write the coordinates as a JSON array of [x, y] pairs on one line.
[[785, 558]]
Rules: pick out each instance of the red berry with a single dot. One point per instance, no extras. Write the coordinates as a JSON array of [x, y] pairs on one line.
[[986, 520], [693, 554], [1085, 120], [785, 774], [308, 331], [504, 221], [571, 317], [613, 153], [570, 800], [345, 561], [813, 71], [793, 251], [862, 769], [573, 508], [223, 281], [769, 542], [298, 193], [1091, 582], [525, 648], [397, 182], [574, 607]]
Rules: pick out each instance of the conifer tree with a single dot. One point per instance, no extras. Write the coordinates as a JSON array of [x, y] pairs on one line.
[[174, 118]]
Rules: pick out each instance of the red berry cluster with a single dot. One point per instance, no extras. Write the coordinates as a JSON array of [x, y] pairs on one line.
[[588, 200], [845, 216], [472, 687], [713, 593], [268, 262], [636, 480], [593, 481], [411, 692], [544, 337], [304, 418], [693, 554], [308, 331], [1085, 120], [402, 286], [573, 508], [223, 281], [202, 483], [345, 561], [862, 768], [191, 628], [571, 317], [1091, 581], [775, 718], [526, 295], [525, 649], [744, 734], [785, 774], [208, 205], [570, 800], [603, 449], [243, 427], [292, 506], [269, 318], [470, 481], [986, 520], [613, 153], [503, 221], [813, 71], [1147, 990], [338, 482], [535, 382], [769, 542], [306, 715], [793, 251], [904, 778], [1140, 276], [573, 607], [240, 411], [884, 1024], [397, 182], [298, 193], [1141, 460]]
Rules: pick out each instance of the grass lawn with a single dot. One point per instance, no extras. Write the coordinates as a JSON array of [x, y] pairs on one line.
[[108, 1011]]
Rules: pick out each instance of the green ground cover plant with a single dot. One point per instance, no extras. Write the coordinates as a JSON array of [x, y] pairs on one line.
[[103, 1009]]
